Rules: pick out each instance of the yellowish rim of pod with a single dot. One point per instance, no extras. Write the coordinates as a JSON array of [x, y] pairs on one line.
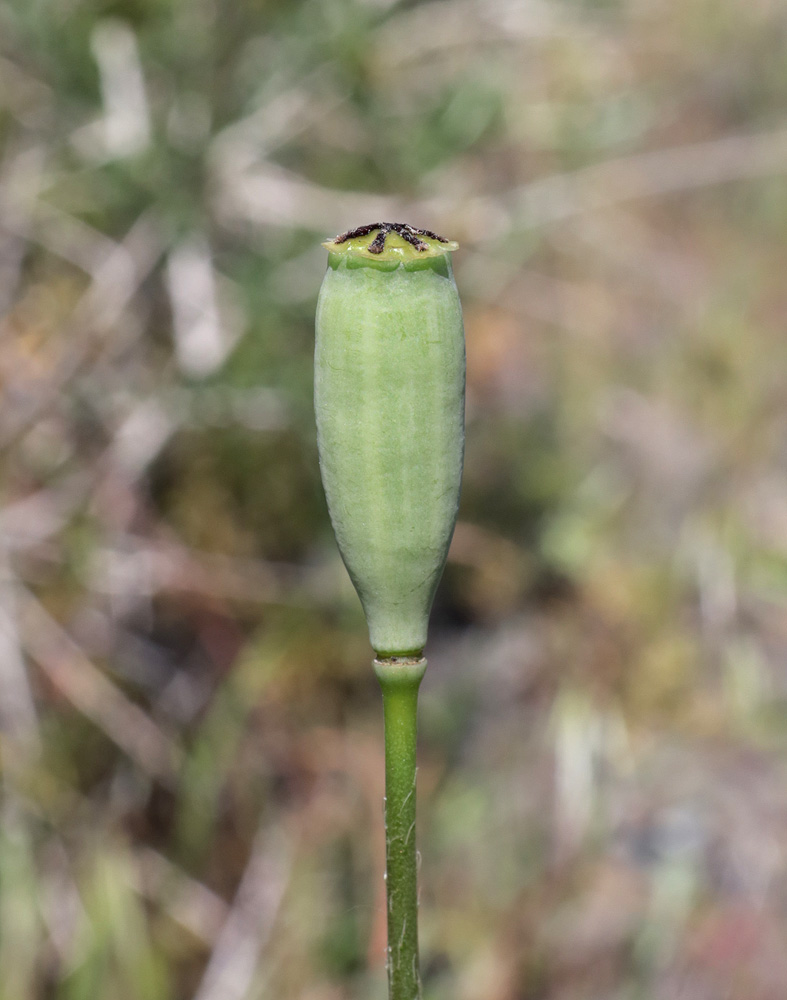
[[396, 248]]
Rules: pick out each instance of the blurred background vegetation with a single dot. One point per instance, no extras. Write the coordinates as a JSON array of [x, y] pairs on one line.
[[190, 730]]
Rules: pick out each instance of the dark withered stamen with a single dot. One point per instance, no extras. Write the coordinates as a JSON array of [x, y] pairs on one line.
[[407, 232], [360, 231], [412, 239], [431, 235], [378, 243]]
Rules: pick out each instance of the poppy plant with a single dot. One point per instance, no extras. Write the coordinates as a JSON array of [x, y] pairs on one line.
[[389, 391]]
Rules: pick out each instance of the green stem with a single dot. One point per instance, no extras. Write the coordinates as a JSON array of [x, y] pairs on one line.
[[399, 679]]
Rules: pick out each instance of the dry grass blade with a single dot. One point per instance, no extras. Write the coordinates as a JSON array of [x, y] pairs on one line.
[[231, 969], [187, 901], [650, 174], [117, 270], [93, 694], [18, 717]]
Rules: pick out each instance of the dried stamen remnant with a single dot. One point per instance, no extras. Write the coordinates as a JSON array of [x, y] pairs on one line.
[[407, 232]]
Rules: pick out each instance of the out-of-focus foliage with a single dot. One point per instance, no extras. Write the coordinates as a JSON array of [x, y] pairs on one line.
[[190, 731]]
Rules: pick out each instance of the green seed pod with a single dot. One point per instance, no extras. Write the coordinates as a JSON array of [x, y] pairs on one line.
[[389, 388]]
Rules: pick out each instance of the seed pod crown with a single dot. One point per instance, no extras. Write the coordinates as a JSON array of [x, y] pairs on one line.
[[392, 241]]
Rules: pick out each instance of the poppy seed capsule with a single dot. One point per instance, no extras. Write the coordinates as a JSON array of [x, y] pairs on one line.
[[389, 389]]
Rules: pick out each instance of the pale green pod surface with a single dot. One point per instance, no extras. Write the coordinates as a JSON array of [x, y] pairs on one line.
[[389, 392]]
